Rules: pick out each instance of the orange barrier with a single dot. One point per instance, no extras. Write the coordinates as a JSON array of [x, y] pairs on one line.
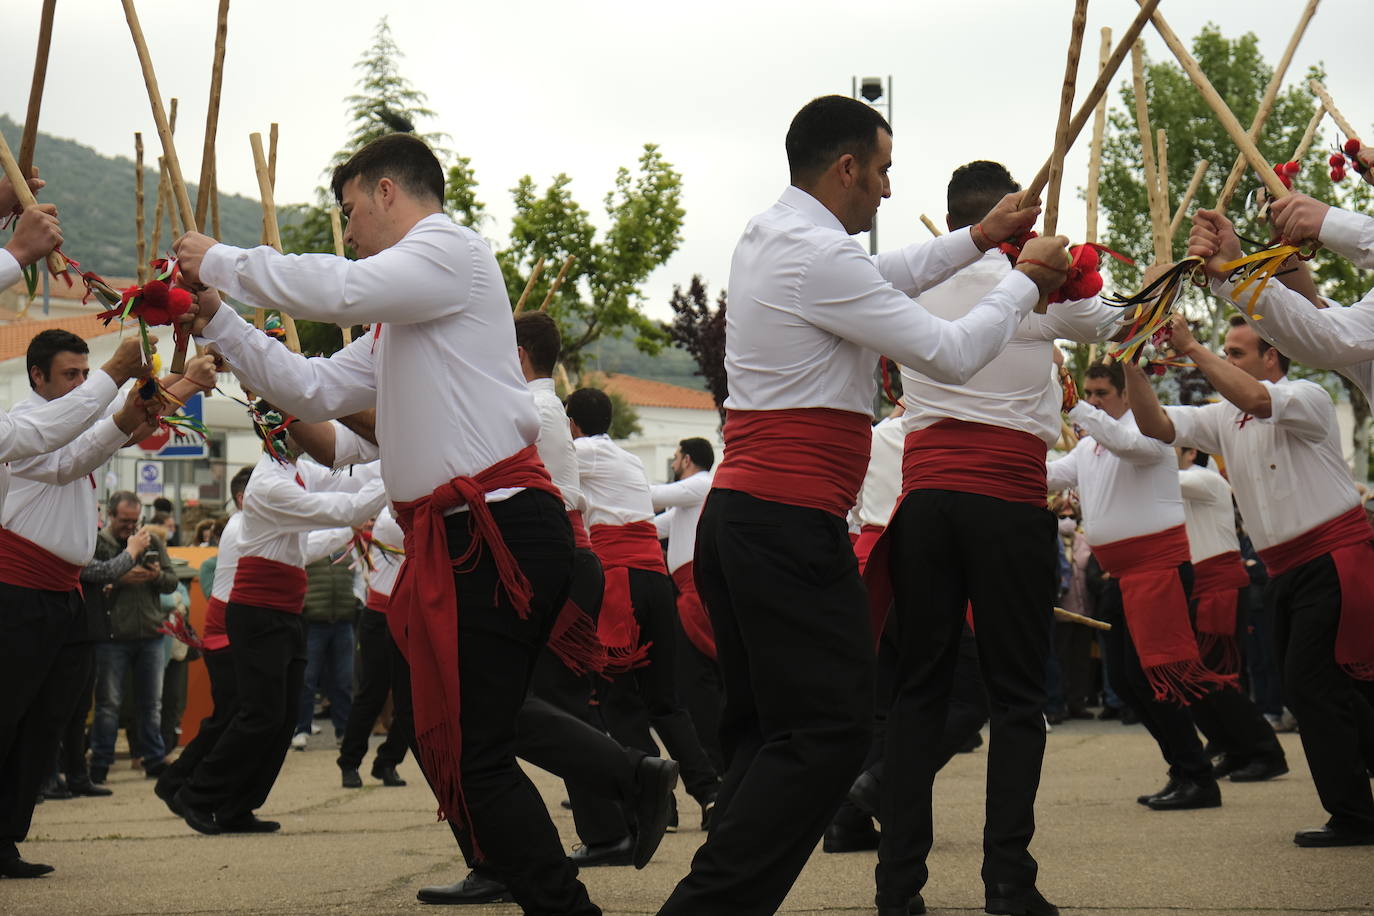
[[198, 704]]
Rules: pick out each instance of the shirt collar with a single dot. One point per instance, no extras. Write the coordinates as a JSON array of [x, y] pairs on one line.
[[811, 208], [540, 384]]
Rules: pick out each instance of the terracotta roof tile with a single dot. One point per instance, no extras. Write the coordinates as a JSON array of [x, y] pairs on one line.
[[14, 338], [643, 392]]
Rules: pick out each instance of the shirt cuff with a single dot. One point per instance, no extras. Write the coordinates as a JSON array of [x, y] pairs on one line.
[[10, 271], [217, 268], [1342, 229], [351, 448], [108, 437], [1023, 288], [1081, 411], [226, 325]]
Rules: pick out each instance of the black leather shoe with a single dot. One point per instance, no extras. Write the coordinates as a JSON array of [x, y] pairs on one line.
[[1325, 836], [621, 852], [476, 888], [839, 838], [198, 820], [1009, 900], [87, 788], [387, 774], [915, 907], [18, 868], [168, 793], [56, 790], [351, 779], [866, 793], [708, 808], [1169, 786], [248, 823], [1226, 765], [1188, 796], [1260, 770], [655, 779], [155, 770]]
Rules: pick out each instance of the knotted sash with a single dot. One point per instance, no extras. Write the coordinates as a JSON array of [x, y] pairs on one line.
[[622, 548], [26, 565]]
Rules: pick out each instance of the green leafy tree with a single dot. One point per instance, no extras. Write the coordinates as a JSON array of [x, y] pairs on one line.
[[1240, 74]]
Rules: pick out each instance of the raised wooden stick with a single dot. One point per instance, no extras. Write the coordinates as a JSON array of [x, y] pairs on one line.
[[138, 209], [1219, 107], [29, 139], [207, 156], [1104, 79], [930, 224], [1188, 195], [529, 285], [1071, 617], [557, 282], [336, 227], [272, 154], [1147, 154], [269, 215], [1095, 153], [177, 227], [1061, 130], [1162, 174], [214, 201], [161, 201], [1330, 106], [1271, 92], [1310, 133], [56, 264]]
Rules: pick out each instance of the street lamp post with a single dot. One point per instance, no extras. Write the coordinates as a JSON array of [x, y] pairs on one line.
[[872, 91]]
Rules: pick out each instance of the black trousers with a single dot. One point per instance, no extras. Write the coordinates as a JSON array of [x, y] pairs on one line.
[[649, 696], [268, 654], [1335, 719], [949, 549], [796, 655], [381, 670], [698, 679], [496, 658], [72, 755], [224, 698], [33, 670], [1169, 723]]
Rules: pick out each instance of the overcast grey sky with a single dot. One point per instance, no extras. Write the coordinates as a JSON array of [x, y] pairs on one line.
[[529, 86]]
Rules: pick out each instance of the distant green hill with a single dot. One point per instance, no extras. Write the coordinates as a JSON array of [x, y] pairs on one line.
[[672, 365], [95, 199]]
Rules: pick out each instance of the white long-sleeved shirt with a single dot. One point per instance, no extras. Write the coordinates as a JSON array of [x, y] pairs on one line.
[[1287, 471], [227, 561], [278, 513], [810, 311], [883, 479], [51, 499], [386, 565], [441, 369], [1127, 482], [1017, 389], [682, 500], [555, 443], [613, 482], [1208, 513]]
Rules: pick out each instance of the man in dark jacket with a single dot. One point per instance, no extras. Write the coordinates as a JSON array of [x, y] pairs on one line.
[[135, 616]]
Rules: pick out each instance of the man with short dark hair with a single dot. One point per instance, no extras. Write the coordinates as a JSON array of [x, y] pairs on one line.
[[810, 311], [135, 648]]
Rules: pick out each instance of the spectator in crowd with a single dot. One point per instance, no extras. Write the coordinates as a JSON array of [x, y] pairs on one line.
[[331, 607], [136, 615], [174, 676], [1073, 643], [207, 532], [168, 522]]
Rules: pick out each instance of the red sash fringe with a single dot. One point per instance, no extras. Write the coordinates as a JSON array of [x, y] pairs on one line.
[[1347, 538], [622, 548], [1217, 582], [812, 457], [1006, 464], [1156, 609], [216, 637], [260, 582], [26, 565], [423, 612], [696, 623]]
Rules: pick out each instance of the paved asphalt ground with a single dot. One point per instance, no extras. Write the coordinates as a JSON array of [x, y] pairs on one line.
[[368, 850]]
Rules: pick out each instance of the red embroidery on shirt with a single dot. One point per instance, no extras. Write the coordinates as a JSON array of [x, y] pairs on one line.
[[1243, 420]]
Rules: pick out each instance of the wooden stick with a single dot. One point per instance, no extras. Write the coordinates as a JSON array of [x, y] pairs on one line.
[[161, 200], [1311, 133], [1330, 106], [1095, 153], [272, 155], [269, 214], [1162, 173], [1271, 93], [557, 282], [1061, 130], [1188, 195], [529, 285], [214, 201], [178, 227], [930, 224], [207, 156], [336, 227], [29, 139], [1071, 617], [138, 209], [1219, 108], [1099, 89], [56, 264], [1147, 152]]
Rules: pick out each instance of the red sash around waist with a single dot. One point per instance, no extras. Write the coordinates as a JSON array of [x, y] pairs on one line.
[[863, 546], [216, 637], [634, 546], [580, 538], [1156, 609], [1007, 464], [423, 612], [377, 601], [26, 565], [812, 457], [696, 623], [622, 548], [260, 582], [1217, 582], [1347, 538]]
